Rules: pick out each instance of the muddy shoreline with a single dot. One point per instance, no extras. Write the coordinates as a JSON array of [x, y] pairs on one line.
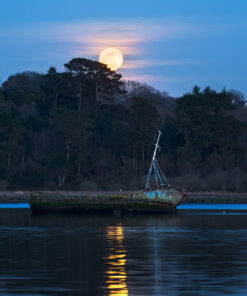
[[191, 197]]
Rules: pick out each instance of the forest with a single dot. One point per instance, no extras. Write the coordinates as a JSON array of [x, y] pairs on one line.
[[88, 129]]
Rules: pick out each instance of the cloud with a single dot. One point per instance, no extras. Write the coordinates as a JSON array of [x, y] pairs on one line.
[[136, 39], [148, 78], [90, 37], [143, 63]]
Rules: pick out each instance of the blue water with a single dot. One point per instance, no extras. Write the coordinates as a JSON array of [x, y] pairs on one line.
[[143, 255], [219, 207], [14, 206], [235, 207]]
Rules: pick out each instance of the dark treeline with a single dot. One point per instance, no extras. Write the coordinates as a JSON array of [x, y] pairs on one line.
[[87, 129]]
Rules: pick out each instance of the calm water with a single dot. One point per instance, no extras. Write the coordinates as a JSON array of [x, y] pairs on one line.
[[133, 255]]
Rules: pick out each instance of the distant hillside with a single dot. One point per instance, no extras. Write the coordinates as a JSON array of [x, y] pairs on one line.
[[87, 129]]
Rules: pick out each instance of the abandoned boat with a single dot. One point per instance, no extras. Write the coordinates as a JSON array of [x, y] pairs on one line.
[[160, 192], [159, 196]]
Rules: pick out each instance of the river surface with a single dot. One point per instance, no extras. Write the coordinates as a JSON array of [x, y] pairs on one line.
[[186, 254]]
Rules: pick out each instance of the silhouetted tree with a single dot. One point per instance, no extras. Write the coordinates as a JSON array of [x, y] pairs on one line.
[[87, 126]]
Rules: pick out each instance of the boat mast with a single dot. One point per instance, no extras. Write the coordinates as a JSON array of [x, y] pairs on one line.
[[153, 163], [160, 178]]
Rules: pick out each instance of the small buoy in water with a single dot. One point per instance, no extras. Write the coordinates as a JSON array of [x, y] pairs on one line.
[[224, 212]]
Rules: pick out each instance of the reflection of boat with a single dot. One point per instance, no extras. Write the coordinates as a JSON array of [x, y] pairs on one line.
[[160, 193]]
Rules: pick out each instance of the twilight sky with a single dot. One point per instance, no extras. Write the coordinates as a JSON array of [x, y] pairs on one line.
[[169, 44]]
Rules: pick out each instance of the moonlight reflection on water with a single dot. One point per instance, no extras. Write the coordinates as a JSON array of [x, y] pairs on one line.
[[115, 272]]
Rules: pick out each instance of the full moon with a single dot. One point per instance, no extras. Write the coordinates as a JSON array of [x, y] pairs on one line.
[[112, 57]]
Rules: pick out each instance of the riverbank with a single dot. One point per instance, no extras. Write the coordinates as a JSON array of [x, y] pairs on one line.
[[191, 197]]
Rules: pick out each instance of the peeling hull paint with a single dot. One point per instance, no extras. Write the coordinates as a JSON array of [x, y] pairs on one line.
[[142, 201]]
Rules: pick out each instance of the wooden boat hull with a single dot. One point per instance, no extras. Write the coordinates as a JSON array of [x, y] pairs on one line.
[[166, 197], [105, 203]]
